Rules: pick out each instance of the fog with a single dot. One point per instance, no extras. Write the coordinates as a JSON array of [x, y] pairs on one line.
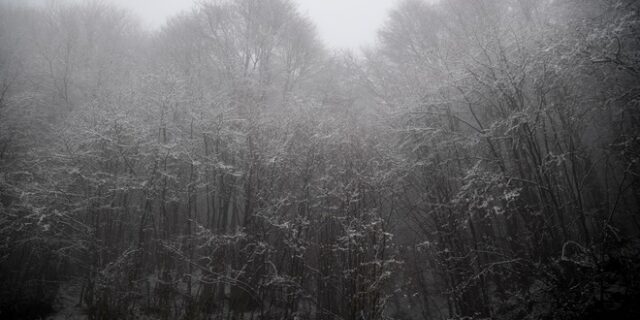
[[341, 24], [280, 159]]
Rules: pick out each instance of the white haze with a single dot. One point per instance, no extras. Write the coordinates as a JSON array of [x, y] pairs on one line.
[[341, 24]]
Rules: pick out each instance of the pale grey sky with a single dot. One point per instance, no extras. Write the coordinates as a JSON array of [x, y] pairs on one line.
[[347, 24], [341, 24]]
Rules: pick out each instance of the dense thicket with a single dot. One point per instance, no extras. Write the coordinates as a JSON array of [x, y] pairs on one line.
[[481, 161]]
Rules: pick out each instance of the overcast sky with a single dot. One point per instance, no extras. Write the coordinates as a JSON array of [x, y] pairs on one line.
[[342, 24]]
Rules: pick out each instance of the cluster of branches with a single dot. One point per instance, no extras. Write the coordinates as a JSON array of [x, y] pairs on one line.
[[228, 166], [518, 121], [191, 173]]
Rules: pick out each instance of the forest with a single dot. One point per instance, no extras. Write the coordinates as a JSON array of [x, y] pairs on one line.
[[480, 161]]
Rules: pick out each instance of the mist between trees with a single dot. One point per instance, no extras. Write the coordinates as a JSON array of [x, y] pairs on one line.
[[480, 162]]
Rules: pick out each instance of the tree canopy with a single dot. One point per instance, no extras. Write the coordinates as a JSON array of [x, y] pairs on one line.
[[481, 161]]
